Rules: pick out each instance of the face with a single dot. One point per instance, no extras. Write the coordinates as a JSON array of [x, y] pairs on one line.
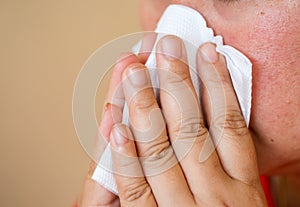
[[268, 33]]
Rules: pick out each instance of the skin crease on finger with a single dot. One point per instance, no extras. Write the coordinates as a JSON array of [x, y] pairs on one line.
[[268, 33]]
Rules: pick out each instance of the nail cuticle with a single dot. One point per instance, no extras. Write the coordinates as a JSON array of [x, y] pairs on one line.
[[138, 76], [171, 47], [119, 135]]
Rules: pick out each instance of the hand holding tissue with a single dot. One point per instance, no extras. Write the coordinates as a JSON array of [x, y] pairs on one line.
[[190, 26]]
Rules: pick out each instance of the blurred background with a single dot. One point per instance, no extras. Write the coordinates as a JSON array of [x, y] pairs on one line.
[[43, 45]]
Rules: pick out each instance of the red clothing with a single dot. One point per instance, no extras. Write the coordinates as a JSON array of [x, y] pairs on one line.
[[266, 185]]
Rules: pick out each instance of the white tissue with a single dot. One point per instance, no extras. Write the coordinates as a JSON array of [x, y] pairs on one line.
[[190, 26]]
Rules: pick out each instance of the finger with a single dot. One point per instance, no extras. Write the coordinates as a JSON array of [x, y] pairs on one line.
[[114, 102], [184, 120], [115, 95], [228, 128], [132, 186], [157, 157], [146, 46], [94, 194]]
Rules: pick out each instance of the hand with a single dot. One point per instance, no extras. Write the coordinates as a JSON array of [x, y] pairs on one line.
[[218, 169], [173, 154]]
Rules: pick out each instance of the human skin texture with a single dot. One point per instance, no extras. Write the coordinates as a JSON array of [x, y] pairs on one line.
[[268, 33]]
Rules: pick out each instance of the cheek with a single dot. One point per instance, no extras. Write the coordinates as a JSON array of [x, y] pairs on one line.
[[271, 40], [269, 36]]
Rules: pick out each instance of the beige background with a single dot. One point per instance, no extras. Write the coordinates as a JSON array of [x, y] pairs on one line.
[[43, 45]]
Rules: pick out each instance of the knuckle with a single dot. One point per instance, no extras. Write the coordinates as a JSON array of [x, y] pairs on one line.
[[188, 130], [233, 123], [158, 159], [155, 149], [135, 191], [143, 100], [202, 132], [187, 134], [202, 136]]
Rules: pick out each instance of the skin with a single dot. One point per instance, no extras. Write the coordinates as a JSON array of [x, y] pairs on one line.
[[140, 156], [265, 31]]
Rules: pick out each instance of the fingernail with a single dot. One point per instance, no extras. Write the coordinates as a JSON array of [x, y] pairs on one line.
[[209, 53], [138, 76], [148, 41], [106, 107], [119, 134], [171, 47], [104, 121]]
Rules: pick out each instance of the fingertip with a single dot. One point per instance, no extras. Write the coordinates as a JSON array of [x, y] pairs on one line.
[[132, 69], [143, 57], [123, 61], [211, 64], [119, 135], [115, 90], [171, 47], [147, 45], [207, 52], [125, 58]]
